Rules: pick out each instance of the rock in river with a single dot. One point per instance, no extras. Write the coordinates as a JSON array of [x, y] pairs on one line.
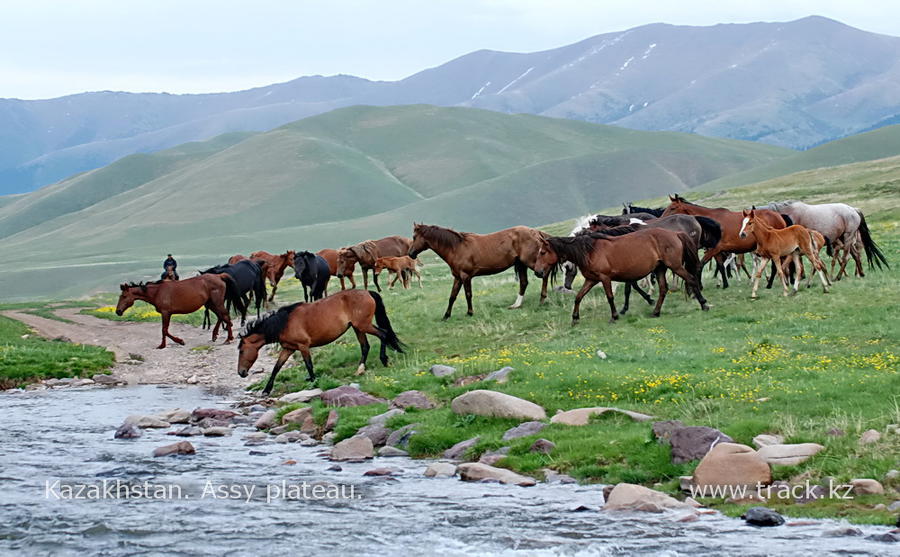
[[761, 516], [354, 448], [476, 471], [632, 497], [179, 448], [146, 421], [128, 431]]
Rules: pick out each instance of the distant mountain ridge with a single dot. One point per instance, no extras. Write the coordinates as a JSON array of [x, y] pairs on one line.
[[795, 84]]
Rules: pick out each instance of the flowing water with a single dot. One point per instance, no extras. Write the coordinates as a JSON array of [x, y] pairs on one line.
[[66, 435]]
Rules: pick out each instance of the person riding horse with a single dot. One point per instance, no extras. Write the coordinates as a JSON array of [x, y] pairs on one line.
[[169, 269]]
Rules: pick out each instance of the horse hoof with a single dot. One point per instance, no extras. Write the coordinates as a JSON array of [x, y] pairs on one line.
[[704, 307], [654, 315], [179, 341], [445, 317], [361, 369], [161, 346]]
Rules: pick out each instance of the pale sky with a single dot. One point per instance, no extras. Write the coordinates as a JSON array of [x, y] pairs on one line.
[[52, 48]]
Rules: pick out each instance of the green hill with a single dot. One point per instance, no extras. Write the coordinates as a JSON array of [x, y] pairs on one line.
[[878, 144], [339, 178]]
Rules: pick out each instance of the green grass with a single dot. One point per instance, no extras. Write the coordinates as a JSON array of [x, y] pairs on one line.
[[25, 357]]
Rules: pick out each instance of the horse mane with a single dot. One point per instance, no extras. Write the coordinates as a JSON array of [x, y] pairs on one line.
[[576, 249], [614, 231], [143, 285], [605, 220], [440, 236], [217, 269], [304, 254], [581, 223], [635, 209], [271, 324]]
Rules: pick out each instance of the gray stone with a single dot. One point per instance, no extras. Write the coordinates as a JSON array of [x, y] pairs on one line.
[[500, 376], [400, 437], [582, 416], [108, 380], [146, 421], [766, 439], [496, 404], [388, 451], [354, 448], [440, 470], [788, 455], [476, 471], [382, 472], [491, 458], [663, 430], [128, 431], [175, 416], [869, 436], [301, 396], [189, 431], [216, 431], [867, 486], [458, 450], [412, 399], [291, 437], [278, 430], [439, 370], [331, 421], [552, 476], [377, 433], [632, 497], [179, 448], [693, 442], [761, 516], [297, 416], [544, 446], [348, 395], [843, 531], [267, 420], [382, 419], [524, 430], [215, 413], [207, 423]]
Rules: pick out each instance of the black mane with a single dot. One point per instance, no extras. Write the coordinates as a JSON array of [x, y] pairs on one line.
[[629, 209], [143, 285], [440, 236], [271, 324]]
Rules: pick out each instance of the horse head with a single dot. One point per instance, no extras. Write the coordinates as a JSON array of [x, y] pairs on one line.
[[547, 259], [126, 298], [748, 222], [248, 352], [419, 243]]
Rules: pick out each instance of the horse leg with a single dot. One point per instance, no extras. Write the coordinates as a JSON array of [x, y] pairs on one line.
[[224, 317], [544, 287], [585, 288], [375, 331], [453, 293], [709, 255], [690, 285], [819, 267], [282, 358], [467, 284], [663, 289], [757, 274], [365, 274], [166, 317], [305, 293], [343, 287], [854, 251], [307, 359], [364, 348], [375, 280], [611, 300], [419, 278], [523, 284], [624, 309], [773, 271]]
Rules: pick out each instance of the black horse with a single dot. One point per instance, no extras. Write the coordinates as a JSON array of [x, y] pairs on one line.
[[313, 273], [629, 209], [250, 279]]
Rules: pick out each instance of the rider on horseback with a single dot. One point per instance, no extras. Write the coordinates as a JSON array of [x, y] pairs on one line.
[[169, 266]]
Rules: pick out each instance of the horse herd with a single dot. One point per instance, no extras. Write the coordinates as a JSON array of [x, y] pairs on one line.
[[626, 248]]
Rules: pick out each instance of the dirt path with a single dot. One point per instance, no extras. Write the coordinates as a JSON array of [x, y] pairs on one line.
[[137, 359]]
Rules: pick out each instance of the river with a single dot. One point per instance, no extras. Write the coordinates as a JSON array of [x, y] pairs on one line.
[[66, 435]]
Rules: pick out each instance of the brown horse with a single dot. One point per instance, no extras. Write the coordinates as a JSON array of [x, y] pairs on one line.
[[275, 266], [773, 244], [302, 326], [403, 268], [365, 253], [603, 258], [331, 257], [472, 255], [730, 223], [185, 296]]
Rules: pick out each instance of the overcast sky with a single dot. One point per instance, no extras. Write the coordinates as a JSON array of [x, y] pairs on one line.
[[57, 47]]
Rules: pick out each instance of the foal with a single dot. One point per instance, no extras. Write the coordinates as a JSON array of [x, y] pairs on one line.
[[403, 268]]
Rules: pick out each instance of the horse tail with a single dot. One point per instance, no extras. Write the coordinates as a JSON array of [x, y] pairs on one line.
[[788, 221], [207, 322], [689, 257], [259, 288], [384, 324], [233, 295], [711, 232], [873, 252], [829, 248]]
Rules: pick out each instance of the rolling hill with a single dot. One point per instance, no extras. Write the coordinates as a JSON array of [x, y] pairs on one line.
[[794, 84], [338, 178]]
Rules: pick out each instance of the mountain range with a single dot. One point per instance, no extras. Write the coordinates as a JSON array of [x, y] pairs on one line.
[[793, 84]]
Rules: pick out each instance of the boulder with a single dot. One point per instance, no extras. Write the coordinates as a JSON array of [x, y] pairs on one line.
[[348, 395], [632, 497], [412, 399], [300, 396], [693, 442], [206, 423], [382, 419], [332, 420], [108, 380], [278, 430], [217, 431], [544, 446], [761, 516], [663, 430], [497, 405], [179, 448], [766, 439], [297, 416], [378, 434], [146, 421], [869, 436], [291, 437], [500, 376], [189, 431], [524, 430], [215, 413], [175, 416], [788, 455], [128, 431], [458, 450], [552, 476], [267, 420], [440, 470], [867, 487], [400, 437], [354, 448], [476, 471], [309, 425], [732, 464], [382, 472], [439, 370], [581, 416], [388, 451], [491, 458]]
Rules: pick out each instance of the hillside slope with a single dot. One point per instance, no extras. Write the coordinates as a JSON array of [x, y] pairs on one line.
[[794, 84]]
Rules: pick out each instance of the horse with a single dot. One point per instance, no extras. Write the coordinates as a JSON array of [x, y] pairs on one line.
[[185, 296], [312, 271], [169, 274], [365, 253], [302, 326], [275, 266], [471, 255], [629, 209], [249, 278], [730, 223], [773, 244], [841, 224], [331, 257], [627, 258], [403, 268]]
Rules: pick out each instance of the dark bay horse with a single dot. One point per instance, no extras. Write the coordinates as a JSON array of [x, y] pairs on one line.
[[629, 209], [185, 296], [603, 258], [275, 266], [250, 280], [331, 256], [313, 273], [302, 326], [471, 255], [365, 253], [730, 223]]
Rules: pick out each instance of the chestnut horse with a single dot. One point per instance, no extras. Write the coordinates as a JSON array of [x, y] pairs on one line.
[[773, 244], [730, 223], [185, 296], [302, 326], [331, 257], [628, 258], [365, 253], [403, 267], [275, 266], [472, 255]]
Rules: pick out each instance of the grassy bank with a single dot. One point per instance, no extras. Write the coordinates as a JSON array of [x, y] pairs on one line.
[[798, 367]]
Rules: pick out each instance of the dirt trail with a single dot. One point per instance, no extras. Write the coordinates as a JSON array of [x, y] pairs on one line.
[[214, 365]]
